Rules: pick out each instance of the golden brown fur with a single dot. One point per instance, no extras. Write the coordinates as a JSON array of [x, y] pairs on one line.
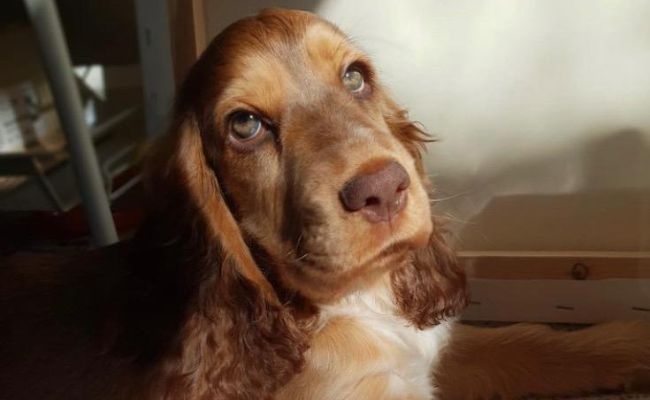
[[250, 280], [525, 359]]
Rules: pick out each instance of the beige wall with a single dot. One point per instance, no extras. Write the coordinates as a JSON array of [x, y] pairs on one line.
[[542, 108]]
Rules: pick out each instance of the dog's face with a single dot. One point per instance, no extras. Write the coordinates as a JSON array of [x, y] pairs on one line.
[[310, 152], [296, 122]]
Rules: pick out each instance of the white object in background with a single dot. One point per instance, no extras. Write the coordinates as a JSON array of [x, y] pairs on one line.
[[48, 131], [28, 119], [93, 77], [11, 140]]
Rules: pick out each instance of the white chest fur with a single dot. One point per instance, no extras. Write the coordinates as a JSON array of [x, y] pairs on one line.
[[409, 354]]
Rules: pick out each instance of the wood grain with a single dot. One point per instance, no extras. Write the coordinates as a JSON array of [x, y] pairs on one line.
[[556, 265]]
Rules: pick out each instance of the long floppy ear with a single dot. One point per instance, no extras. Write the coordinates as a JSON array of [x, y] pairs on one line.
[[186, 176], [433, 287], [218, 330]]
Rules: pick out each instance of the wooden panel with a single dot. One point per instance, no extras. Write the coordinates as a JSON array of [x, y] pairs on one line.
[[188, 34], [568, 301], [556, 265]]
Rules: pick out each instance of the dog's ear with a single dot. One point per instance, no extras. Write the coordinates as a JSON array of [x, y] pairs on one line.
[[222, 332], [433, 286], [188, 185]]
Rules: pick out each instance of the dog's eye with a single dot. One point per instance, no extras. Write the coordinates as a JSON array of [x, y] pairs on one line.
[[353, 80], [246, 125]]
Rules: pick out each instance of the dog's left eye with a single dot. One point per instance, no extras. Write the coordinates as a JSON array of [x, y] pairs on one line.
[[246, 125], [353, 80]]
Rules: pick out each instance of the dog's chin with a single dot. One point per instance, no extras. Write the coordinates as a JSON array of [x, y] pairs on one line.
[[330, 265], [325, 278], [328, 283]]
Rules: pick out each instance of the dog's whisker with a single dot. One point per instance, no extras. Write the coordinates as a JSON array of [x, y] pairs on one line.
[[447, 216], [439, 199]]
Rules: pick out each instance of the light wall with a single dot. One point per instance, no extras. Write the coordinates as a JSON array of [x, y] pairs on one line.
[[542, 109]]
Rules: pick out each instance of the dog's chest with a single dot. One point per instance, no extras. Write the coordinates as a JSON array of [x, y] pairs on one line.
[[377, 340]]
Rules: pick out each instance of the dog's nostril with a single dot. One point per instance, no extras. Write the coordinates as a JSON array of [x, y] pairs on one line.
[[378, 195], [372, 201]]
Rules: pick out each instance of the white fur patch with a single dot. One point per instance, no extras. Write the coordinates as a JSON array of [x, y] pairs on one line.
[[418, 350]]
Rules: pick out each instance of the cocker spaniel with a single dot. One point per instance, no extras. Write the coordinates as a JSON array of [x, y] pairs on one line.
[[289, 253]]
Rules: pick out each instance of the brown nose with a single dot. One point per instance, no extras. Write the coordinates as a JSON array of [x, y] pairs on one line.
[[378, 195]]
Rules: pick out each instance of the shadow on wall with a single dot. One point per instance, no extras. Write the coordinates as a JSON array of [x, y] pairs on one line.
[[601, 203]]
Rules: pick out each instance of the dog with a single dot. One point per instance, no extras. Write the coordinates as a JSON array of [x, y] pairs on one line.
[[289, 253]]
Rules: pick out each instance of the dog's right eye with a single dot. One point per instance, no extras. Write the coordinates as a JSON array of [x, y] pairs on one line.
[[353, 80], [246, 125]]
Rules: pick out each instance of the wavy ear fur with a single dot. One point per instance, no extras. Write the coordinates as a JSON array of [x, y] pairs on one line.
[[433, 287], [201, 317]]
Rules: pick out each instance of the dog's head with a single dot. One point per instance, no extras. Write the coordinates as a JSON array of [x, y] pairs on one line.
[[288, 160]]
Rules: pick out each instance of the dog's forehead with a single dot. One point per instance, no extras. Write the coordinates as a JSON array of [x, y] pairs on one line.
[[323, 45], [282, 67]]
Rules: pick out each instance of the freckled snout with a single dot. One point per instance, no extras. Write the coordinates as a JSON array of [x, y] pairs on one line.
[[378, 195]]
